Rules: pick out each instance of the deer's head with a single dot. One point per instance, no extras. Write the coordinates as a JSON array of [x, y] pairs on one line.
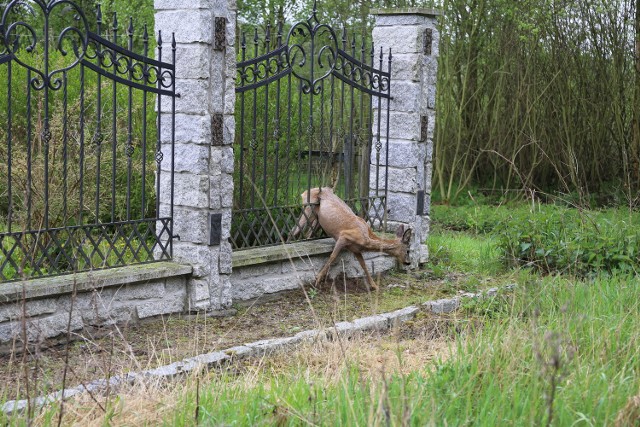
[[401, 250]]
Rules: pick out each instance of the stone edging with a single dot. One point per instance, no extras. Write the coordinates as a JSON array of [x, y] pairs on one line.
[[255, 349]]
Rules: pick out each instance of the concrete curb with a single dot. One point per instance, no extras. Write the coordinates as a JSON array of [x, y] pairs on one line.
[[378, 322]]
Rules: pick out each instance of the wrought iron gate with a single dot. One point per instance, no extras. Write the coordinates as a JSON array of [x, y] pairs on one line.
[[80, 127], [308, 114]]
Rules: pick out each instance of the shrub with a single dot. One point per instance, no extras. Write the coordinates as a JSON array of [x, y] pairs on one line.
[[552, 239]]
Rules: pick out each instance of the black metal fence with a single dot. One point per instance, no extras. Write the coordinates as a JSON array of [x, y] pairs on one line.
[[80, 130], [309, 112]]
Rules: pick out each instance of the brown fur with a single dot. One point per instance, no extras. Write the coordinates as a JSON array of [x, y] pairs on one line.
[[349, 231]]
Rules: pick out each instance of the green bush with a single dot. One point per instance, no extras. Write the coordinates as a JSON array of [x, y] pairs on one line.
[[552, 239]]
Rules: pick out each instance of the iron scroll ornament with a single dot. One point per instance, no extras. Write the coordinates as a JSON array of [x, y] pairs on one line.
[[303, 55], [18, 31]]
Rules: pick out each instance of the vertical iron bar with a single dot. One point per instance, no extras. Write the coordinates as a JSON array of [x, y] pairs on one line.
[[386, 167], [265, 136], [343, 133], [159, 127], [378, 133], [98, 133], [363, 164], [114, 128], [349, 166], [254, 142], [143, 202], [80, 220], [29, 150], [129, 148], [9, 143], [276, 132], [299, 166], [288, 149], [370, 121], [173, 138], [333, 148], [65, 142], [311, 128], [46, 134], [242, 114], [324, 152]]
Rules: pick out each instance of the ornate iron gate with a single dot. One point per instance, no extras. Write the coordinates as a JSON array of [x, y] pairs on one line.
[[80, 127], [308, 111]]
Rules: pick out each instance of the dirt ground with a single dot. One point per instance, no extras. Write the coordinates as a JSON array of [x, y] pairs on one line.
[[113, 351]]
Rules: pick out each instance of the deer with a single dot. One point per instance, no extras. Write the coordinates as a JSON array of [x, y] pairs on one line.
[[327, 210]]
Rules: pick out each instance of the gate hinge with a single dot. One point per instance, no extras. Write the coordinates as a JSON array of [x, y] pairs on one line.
[[420, 207], [217, 129], [220, 33], [424, 128], [215, 229], [428, 41]]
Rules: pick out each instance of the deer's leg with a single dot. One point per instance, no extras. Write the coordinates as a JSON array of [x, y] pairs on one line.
[[340, 244], [370, 281]]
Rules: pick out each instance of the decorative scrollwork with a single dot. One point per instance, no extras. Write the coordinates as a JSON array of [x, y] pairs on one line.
[[263, 68], [312, 52], [29, 34]]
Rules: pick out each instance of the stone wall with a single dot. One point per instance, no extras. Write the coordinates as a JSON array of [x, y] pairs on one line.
[[42, 309], [271, 270]]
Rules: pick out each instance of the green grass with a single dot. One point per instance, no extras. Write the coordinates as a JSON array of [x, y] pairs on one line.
[[501, 373]]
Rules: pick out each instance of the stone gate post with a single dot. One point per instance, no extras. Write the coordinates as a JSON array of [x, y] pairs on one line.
[[205, 69], [413, 37]]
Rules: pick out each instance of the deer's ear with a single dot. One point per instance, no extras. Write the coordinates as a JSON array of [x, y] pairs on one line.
[[406, 237], [400, 231]]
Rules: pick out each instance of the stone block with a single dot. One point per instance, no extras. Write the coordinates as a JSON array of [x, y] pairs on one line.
[[191, 158], [371, 323], [227, 160], [192, 225], [190, 128], [399, 38], [31, 308], [405, 154], [168, 305], [407, 97], [255, 287], [383, 20], [240, 351], [208, 360], [406, 66], [198, 30], [402, 315], [42, 328], [182, 4], [203, 258], [194, 97], [192, 61], [400, 180], [139, 291], [199, 297], [273, 345], [189, 190], [402, 125], [221, 292], [250, 272], [225, 263], [402, 207], [442, 305]]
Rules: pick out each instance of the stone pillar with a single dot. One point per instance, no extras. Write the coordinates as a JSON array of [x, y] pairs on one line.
[[413, 37], [205, 69]]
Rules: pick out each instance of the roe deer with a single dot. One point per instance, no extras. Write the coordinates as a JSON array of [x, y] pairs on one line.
[[349, 231]]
